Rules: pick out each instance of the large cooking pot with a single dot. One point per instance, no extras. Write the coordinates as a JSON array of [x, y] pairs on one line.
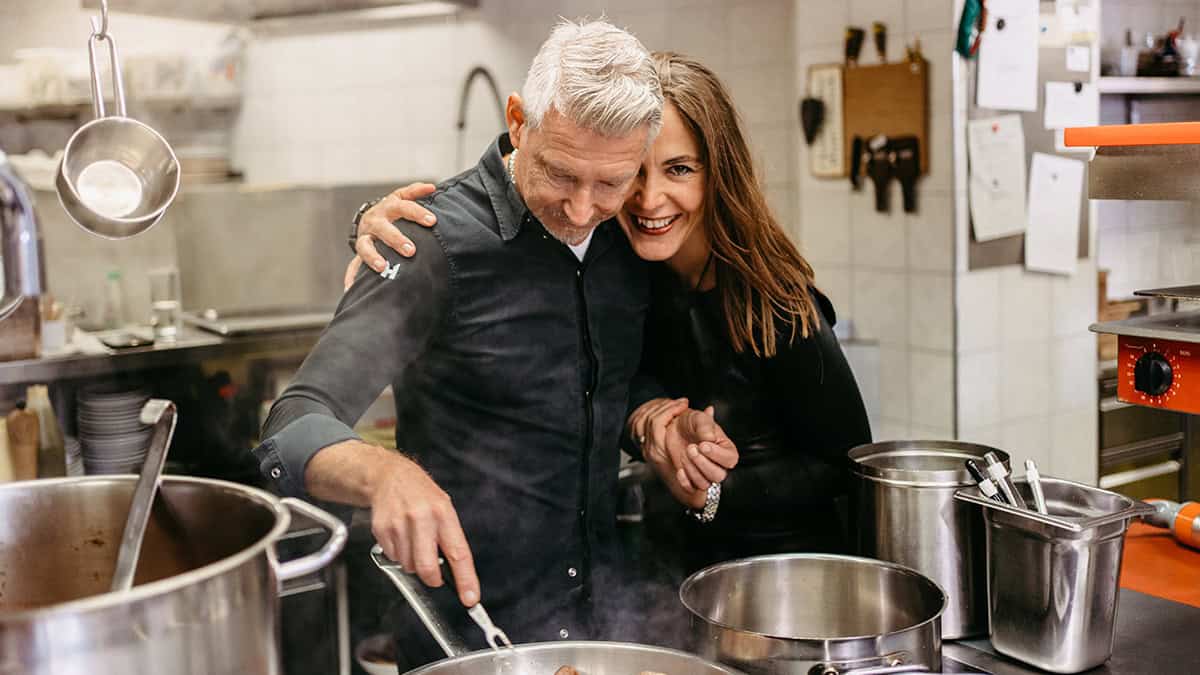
[[535, 658], [809, 613], [205, 596], [906, 513]]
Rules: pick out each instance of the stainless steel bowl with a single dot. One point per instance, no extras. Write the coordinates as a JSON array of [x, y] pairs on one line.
[[590, 658], [834, 614], [117, 176]]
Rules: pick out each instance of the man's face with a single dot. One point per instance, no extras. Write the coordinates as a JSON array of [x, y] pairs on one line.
[[573, 179]]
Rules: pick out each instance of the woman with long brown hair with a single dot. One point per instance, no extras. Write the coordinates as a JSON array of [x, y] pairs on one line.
[[736, 328]]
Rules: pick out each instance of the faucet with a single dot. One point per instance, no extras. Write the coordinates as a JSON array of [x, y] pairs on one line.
[[477, 71], [21, 271]]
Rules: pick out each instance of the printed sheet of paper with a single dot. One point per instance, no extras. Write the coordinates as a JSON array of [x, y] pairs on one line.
[[1055, 198], [996, 152], [1079, 58], [1066, 107], [1008, 56]]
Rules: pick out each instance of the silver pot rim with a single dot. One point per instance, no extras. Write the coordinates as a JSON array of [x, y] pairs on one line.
[[172, 583], [907, 571], [942, 477], [566, 645]]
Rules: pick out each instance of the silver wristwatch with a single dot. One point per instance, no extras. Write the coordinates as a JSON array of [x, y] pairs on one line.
[[712, 499]]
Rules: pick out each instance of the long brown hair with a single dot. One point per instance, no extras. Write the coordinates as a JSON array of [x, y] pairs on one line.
[[762, 279]]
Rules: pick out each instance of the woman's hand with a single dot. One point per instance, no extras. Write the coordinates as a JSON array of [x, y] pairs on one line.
[[686, 448], [376, 223]]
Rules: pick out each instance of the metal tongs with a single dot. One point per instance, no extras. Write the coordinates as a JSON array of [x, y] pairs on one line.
[[414, 591]]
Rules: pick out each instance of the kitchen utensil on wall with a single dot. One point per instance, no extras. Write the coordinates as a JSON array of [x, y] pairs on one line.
[[593, 658], [206, 601], [812, 613], [826, 154], [890, 99], [1053, 578], [906, 167], [117, 176], [160, 414], [812, 116], [900, 484]]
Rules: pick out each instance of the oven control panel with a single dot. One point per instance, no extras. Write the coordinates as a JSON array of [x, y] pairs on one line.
[[1159, 373]]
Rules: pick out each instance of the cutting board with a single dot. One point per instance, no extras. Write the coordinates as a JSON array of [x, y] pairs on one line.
[[890, 99]]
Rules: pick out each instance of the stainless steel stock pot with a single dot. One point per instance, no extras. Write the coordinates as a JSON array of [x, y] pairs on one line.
[[205, 597]]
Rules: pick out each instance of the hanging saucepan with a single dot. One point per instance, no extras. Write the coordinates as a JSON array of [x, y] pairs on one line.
[[117, 176], [817, 614], [538, 658]]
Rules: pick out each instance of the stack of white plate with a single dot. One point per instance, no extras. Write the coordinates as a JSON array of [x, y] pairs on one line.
[[74, 454], [111, 433]]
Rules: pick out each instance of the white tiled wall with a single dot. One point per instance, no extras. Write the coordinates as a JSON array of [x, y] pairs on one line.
[[889, 274], [380, 104], [1026, 375]]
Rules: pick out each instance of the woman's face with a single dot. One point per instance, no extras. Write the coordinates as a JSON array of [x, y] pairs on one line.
[[663, 209]]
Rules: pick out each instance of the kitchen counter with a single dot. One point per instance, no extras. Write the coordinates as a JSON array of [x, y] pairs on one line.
[[1152, 636], [193, 345]]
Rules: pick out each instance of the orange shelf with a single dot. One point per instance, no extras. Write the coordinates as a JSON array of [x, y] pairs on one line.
[[1169, 133]]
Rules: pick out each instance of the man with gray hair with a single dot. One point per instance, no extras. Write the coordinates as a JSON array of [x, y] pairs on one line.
[[510, 342]]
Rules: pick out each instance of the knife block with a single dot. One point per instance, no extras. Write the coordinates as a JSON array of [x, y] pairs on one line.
[[20, 332]]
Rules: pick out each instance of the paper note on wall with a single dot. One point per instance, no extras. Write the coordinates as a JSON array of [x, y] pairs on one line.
[[996, 152], [1079, 58], [1071, 104], [1008, 56], [1055, 199]]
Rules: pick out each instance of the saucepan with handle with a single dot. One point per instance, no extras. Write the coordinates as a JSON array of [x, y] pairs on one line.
[[117, 176], [815, 614], [538, 658]]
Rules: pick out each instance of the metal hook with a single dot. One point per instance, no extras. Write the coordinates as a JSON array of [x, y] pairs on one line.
[[100, 30]]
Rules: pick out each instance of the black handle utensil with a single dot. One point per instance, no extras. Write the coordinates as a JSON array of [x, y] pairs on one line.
[[986, 486]]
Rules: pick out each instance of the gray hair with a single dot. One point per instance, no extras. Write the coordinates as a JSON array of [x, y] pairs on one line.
[[598, 76]]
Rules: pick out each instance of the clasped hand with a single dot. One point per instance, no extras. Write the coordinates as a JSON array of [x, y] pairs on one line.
[[685, 447]]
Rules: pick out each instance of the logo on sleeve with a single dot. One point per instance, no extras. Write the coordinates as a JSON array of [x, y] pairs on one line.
[[391, 271]]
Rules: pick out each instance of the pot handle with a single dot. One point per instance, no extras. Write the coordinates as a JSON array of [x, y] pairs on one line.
[[413, 590], [313, 561], [892, 667]]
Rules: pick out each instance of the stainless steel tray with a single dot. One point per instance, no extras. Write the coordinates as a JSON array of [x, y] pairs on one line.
[[265, 320]]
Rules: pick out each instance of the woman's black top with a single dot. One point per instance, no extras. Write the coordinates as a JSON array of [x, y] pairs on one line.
[[793, 417]]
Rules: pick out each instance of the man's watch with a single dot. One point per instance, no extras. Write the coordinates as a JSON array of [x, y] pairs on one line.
[[366, 206], [712, 499]]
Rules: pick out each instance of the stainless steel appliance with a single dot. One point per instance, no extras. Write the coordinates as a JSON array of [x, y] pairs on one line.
[[21, 282], [810, 613], [205, 596], [906, 513], [1053, 578]]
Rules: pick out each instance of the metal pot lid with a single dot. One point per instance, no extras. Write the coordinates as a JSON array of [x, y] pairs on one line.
[[920, 463]]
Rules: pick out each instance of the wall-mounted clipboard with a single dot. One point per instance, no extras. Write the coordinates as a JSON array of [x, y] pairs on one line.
[[1052, 67]]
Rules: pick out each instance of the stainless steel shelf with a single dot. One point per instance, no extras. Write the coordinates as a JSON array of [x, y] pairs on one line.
[[1149, 85], [71, 110], [193, 346]]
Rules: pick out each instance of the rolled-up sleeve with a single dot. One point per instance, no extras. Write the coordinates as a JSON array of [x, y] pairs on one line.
[[383, 326]]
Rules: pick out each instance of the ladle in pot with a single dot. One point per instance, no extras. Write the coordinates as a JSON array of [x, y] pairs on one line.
[[161, 414]]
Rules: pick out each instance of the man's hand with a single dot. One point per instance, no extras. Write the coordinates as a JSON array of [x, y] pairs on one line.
[[376, 223], [411, 517]]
